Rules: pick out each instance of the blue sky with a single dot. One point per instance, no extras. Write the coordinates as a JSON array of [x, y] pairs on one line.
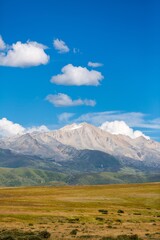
[[122, 35]]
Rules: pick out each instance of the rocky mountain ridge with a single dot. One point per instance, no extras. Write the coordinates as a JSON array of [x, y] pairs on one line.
[[68, 143]]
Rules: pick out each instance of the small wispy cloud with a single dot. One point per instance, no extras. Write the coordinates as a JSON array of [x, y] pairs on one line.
[[60, 46], [133, 119], [76, 50], [78, 76], [65, 117], [63, 100], [95, 64]]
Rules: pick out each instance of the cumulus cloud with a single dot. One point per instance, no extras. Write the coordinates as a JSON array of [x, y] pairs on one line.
[[24, 55], [2, 43], [63, 100], [8, 128], [77, 76], [64, 117], [94, 64], [120, 127], [60, 46], [41, 128]]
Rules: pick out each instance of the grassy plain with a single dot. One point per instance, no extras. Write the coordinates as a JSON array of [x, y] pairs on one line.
[[82, 212]]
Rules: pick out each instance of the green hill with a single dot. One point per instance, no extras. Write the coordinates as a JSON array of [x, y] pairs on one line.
[[32, 177]]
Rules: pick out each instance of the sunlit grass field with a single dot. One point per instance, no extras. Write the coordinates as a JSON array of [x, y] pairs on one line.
[[83, 212]]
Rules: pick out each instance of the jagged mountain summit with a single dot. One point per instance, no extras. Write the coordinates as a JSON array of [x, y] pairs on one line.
[[86, 136], [38, 144]]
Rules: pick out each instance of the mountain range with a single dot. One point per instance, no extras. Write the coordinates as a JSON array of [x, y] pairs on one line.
[[80, 149]]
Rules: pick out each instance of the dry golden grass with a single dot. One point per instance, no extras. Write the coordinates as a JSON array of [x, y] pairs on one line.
[[60, 210]]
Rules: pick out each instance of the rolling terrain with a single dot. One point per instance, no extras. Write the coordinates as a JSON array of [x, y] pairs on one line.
[[37, 177]]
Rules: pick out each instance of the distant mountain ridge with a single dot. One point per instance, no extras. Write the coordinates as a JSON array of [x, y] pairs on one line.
[[79, 147]]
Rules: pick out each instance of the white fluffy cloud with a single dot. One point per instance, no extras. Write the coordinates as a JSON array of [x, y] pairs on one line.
[[60, 46], [41, 128], [77, 76], [8, 128], [24, 55], [95, 64], [120, 127], [63, 100], [2, 44]]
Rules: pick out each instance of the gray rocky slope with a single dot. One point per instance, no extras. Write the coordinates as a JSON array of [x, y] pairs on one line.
[[86, 136]]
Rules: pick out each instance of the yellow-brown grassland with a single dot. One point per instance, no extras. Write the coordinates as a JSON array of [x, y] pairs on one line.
[[130, 211]]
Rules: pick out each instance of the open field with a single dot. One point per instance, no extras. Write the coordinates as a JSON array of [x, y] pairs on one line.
[[76, 212]]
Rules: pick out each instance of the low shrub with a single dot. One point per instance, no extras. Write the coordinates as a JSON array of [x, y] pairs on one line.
[[44, 234], [120, 211], [122, 237], [118, 220], [7, 238], [15, 234], [74, 232], [103, 211], [99, 219], [137, 213], [73, 220]]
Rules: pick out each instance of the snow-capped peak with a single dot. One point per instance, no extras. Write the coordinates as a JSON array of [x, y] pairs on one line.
[[71, 127]]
